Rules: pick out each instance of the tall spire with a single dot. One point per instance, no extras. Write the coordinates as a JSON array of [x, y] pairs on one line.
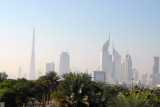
[[113, 49], [32, 64], [33, 44]]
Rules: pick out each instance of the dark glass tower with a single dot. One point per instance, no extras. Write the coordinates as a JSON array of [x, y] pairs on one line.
[[155, 71]]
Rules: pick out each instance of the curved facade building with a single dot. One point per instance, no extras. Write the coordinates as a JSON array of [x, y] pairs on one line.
[[106, 60]]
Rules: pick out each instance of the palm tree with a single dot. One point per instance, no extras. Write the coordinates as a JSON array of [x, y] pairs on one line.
[[99, 95], [50, 82], [136, 98], [74, 90]]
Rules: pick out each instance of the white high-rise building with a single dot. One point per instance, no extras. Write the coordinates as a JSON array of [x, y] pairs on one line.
[[50, 67], [123, 71], [110, 64], [135, 74], [106, 60], [116, 71], [64, 66], [129, 69]]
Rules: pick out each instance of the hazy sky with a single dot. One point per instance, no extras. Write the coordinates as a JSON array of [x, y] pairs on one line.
[[80, 27]]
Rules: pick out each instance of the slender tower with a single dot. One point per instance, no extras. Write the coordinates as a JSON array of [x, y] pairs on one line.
[[106, 59], [129, 69], [32, 66]]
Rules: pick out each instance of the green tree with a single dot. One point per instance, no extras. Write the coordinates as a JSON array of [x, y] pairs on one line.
[[50, 82], [16, 93], [137, 98], [3, 76], [99, 96], [74, 90], [7, 96]]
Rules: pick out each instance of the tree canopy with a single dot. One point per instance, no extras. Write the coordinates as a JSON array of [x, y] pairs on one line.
[[74, 90]]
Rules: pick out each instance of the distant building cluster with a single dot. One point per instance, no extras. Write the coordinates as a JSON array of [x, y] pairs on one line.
[[152, 80], [112, 69], [64, 65], [115, 70]]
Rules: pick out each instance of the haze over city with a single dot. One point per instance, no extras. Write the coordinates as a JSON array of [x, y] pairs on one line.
[[80, 28]]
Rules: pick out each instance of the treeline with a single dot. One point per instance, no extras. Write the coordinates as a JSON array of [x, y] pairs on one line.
[[73, 90]]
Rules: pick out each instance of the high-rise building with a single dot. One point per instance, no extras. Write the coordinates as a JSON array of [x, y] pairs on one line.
[[32, 64], [135, 74], [155, 71], [146, 79], [116, 72], [123, 72], [50, 67], [64, 66], [151, 80], [105, 60], [110, 65], [129, 69]]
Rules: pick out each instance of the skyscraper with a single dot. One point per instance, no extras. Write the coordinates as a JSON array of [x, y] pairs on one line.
[[49, 67], [64, 66], [116, 72], [155, 71], [106, 60], [32, 64], [146, 79], [123, 71], [135, 74], [129, 69]]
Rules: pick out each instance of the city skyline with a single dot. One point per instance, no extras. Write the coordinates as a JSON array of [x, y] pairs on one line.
[[112, 72], [72, 70], [81, 31]]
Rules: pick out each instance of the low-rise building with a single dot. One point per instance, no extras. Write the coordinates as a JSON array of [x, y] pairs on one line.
[[99, 76]]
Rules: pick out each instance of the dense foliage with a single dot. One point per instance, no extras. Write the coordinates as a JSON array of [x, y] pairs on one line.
[[74, 90], [22, 92], [3, 76]]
